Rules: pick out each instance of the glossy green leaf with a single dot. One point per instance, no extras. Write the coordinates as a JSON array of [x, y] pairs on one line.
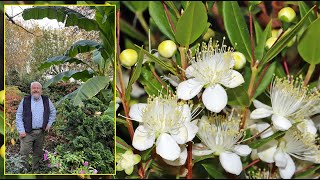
[[238, 96], [304, 8], [283, 41], [64, 75], [121, 145], [135, 75], [151, 85], [260, 48], [200, 158], [163, 64], [129, 30], [260, 142], [308, 172], [279, 71], [236, 28], [257, 30], [59, 60], [308, 46], [213, 172], [61, 14], [191, 24], [159, 16], [136, 6], [82, 46], [89, 89], [265, 80]]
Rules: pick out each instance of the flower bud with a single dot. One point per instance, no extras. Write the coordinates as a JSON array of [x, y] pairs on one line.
[[3, 150], [287, 14], [128, 57], [167, 48], [276, 32], [270, 42], [2, 96], [209, 34], [240, 60]]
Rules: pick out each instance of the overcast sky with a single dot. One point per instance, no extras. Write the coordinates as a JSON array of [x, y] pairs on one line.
[[13, 10]]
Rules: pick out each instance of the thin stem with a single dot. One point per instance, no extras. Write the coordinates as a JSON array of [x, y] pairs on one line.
[[184, 61], [259, 80], [251, 164], [144, 25], [189, 160], [168, 16], [309, 74], [285, 65], [160, 80], [258, 134], [251, 38]]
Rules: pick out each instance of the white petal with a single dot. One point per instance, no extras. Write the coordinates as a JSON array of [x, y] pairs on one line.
[[189, 71], [266, 152], [288, 171], [186, 113], [280, 123], [307, 126], [200, 149], [167, 147], [242, 150], [259, 104], [192, 129], [280, 158], [189, 89], [180, 135], [260, 113], [215, 98], [136, 111], [261, 127], [231, 162], [182, 158], [235, 80], [142, 139]]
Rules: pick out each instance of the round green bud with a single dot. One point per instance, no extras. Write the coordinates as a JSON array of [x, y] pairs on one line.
[[2, 96], [240, 60], [3, 150], [167, 48], [276, 32], [209, 34], [287, 14], [128, 57], [270, 42]]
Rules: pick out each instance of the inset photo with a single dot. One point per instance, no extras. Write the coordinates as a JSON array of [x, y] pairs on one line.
[[59, 93]]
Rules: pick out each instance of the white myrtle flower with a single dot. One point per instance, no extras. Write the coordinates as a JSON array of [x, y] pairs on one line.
[[289, 102], [164, 121], [220, 136], [127, 161], [211, 68]]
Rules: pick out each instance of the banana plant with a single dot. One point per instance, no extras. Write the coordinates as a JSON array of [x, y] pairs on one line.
[[96, 78]]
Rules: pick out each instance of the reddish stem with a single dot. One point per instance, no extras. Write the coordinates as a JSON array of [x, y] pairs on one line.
[[189, 161], [259, 80], [160, 81], [251, 164], [168, 16], [285, 65]]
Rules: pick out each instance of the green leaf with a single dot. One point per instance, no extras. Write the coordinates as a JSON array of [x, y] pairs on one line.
[[308, 46], [121, 145], [260, 48], [82, 46], [89, 89], [61, 14], [59, 60], [304, 8], [200, 158], [191, 24], [308, 172], [135, 75], [151, 85], [159, 16], [260, 142], [236, 28], [164, 65], [257, 30], [212, 170], [238, 97], [1, 123], [265, 80], [283, 41], [129, 30], [136, 6], [64, 75]]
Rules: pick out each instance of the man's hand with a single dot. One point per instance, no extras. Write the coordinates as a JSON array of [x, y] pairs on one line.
[[47, 128], [22, 135]]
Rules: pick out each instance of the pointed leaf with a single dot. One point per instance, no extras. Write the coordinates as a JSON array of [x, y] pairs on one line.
[[82, 46], [136, 6], [89, 89], [238, 97], [213, 172], [59, 60], [135, 75], [308, 46], [260, 142], [284, 39], [260, 48], [308, 172], [64, 75], [236, 28], [191, 24], [304, 8], [265, 80]]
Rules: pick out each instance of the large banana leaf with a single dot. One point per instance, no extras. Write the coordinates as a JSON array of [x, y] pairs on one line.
[[82, 46], [61, 14], [83, 75], [59, 60], [89, 89]]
